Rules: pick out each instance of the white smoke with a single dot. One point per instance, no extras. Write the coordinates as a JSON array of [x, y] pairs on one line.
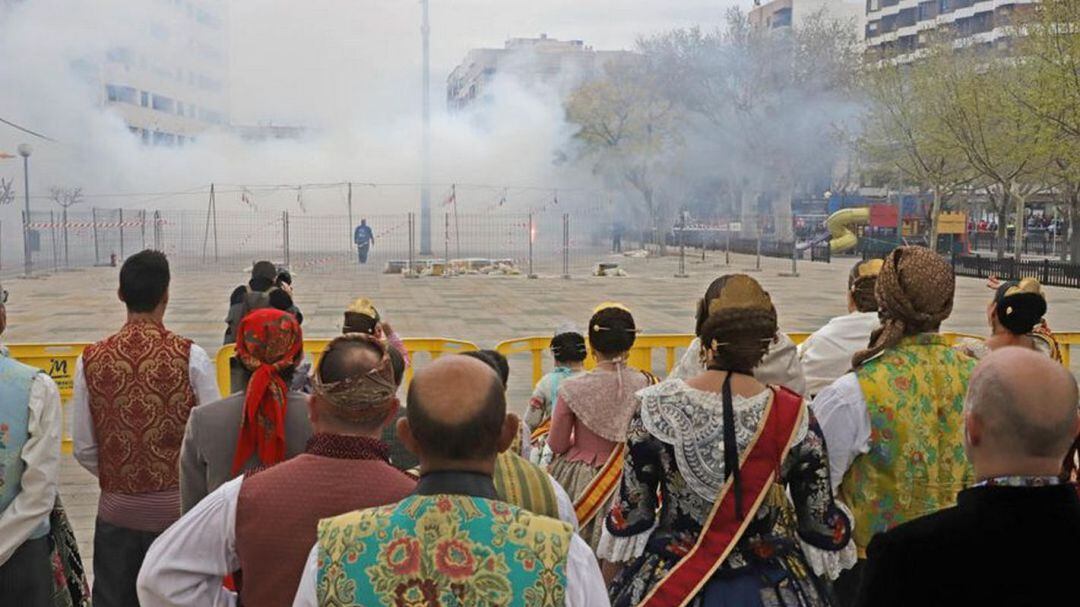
[[349, 70]]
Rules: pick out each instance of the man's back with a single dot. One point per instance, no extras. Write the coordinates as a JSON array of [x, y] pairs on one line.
[[337, 475], [999, 546], [210, 443]]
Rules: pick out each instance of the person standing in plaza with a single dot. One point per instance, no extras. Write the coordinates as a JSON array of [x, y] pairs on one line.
[[569, 352], [592, 413], [826, 354], [263, 524], [267, 288], [133, 394], [894, 425], [364, 239], [703, 514], [30, 426], [996, 546], [453, 541], [261, 426]]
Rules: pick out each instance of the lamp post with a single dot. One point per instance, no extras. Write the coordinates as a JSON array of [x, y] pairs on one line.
[[25, 150]]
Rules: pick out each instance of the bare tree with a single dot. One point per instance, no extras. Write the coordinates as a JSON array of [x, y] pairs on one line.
[[66, 198]]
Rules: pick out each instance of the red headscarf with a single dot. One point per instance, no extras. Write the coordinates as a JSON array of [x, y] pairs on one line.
[[269, 340]]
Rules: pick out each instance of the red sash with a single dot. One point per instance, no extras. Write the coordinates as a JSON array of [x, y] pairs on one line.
[[760, 465]]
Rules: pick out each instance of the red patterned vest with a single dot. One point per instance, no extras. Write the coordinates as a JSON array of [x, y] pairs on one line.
[[279, 508], [140, 398]]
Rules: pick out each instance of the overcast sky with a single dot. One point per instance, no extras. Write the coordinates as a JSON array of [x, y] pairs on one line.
[[304, 61]]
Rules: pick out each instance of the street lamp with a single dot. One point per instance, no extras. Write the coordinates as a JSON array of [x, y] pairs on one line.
[[25, 151]]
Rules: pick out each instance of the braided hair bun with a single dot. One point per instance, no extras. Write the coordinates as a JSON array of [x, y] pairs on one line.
[[740, 325], [612, 331], [1019, 306]]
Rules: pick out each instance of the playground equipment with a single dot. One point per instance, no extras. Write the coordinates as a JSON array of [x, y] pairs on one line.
[[839, 225]]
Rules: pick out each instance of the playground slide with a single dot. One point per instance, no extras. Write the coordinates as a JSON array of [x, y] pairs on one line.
[[840, 224]]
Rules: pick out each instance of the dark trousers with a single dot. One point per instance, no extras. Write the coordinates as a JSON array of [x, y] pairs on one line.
[[118, 555], [26, 578], [362, 252], [846, 587]]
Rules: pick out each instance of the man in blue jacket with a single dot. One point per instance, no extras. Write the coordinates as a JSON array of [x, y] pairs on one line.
[[364, 239]]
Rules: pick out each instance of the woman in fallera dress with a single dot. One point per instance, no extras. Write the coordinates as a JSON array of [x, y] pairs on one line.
[[592, 412], [690, 525]]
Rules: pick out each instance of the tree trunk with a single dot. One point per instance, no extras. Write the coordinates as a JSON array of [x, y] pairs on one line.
[[1018, 235], [935, 212], [1001, 208], [1074, 230], [782, 215]]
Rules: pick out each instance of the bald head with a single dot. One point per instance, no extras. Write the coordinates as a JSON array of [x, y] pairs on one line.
[[457, 410], [1021, 404]]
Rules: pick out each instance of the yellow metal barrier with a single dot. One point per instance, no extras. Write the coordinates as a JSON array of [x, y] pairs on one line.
[[640, 356], [58, 360], [434, 346]]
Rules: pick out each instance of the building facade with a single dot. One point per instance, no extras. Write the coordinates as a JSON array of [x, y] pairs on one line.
[[168, 78], [905, 26], [534, 63], [780, 14]]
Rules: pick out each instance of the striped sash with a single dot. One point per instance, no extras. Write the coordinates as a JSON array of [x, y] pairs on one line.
[[524, 484]]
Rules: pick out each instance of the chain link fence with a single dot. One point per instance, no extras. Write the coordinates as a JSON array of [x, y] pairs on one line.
[[548, 242]]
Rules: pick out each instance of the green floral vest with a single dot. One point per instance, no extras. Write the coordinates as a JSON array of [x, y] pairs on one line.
[[447, 550], [916, 465]]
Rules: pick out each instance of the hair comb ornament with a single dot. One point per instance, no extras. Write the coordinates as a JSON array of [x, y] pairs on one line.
[[741, 292], [871, 267], [1026, 285]]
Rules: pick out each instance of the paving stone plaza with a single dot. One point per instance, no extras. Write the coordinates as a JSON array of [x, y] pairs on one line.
[[82, 306]]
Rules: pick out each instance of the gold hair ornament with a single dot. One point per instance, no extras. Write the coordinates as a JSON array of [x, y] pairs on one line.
[[741, 292]]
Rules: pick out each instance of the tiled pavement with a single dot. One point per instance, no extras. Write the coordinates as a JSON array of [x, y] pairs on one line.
[[82, 306]]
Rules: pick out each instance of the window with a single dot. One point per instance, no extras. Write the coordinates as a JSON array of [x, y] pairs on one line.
[[782, 18], [162, 103], [144, 99], [179, 108], [120, 94]]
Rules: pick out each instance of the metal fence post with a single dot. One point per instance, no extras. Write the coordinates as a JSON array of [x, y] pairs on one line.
[[97, 250], [446, 245], [122, 235], [411, 272], [757, 262], [682, 247], [52, 237], [157, 230], [727, 247], [531, 274], [142, 227], [566, 246], [67, 258], [285, 235]]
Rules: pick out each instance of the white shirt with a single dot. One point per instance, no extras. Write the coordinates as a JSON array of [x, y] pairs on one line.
[[780, 367], [826, 354], [187, 563], [201, 374], [584, 582], [39, 482], [841, 412]]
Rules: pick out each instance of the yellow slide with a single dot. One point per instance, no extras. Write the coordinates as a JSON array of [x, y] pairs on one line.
[[840, 224]]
